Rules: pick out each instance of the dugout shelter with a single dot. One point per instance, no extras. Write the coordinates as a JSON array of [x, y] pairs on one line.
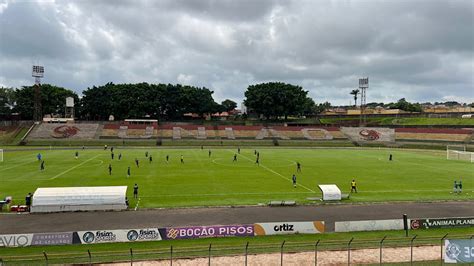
[[330, 192], [68, 199]]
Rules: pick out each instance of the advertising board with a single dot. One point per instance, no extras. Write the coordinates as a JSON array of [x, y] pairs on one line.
[[458, 250], [207, 231], [441, 222], [125, 235], [369, 225], [285, 228]]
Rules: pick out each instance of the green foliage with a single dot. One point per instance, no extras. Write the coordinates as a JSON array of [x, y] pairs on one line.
[[7, 98], [355, 93], [276, 99], [53, 100], [402, 104], [146, 100], [322, 107], [228, 105]]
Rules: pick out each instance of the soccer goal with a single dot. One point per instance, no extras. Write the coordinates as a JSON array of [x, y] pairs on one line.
[[458, 152], [1, 155]]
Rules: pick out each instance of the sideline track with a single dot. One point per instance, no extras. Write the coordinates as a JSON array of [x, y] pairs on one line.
[[79, 221]]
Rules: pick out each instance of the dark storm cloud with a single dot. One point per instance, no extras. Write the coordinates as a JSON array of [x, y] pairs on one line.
[[421, 50]]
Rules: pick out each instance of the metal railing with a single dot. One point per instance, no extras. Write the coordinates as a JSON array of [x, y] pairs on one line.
[[246, 252]]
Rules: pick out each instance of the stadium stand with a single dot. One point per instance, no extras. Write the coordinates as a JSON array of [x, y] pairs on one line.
[[176, 133], [61, 131], [201, 133], [229, 133]]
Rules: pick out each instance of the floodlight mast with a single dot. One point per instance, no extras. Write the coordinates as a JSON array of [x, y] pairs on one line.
[[37, 73], [363, 85]]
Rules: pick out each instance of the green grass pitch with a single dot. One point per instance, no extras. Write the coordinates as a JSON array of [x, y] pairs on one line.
[[413, 175]]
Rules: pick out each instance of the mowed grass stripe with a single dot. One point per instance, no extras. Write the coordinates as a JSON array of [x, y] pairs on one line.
[[72, 168], [204, 181], [276, 173]]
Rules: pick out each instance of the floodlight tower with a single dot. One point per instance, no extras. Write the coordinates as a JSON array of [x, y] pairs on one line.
[[38, 73], [363, 85]]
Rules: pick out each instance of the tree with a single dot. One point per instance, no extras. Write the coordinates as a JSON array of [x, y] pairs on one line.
[[6, 101], [228, 105], [53, 100], [276, 99], [402, 104], [355, 93], [322, 107]]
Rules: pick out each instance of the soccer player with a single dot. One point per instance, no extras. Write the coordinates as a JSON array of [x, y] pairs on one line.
[[182, 159], [254, 152], [42, 166], [390, 157], [146, 154], [235, 158], [135, 191], [257, 161], [238, 150], [137, 163], [77, 154], [39, 156], [105, 147], [294, 180], [120, 156], [128, 172], [298, 167], [28, 201], [150, 159], [83, 147], [460, 187], [112, 155], [455, 189], [353, 186], [112, 149], [209, 153], [167, 158], [110, 169]]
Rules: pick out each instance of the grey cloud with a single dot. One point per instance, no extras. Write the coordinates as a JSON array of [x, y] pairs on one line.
[[421, 50]]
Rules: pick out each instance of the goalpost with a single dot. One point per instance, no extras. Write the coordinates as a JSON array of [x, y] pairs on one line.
[[458, 152]]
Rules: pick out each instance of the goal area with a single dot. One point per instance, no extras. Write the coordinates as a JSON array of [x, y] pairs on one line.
[[458, 152]]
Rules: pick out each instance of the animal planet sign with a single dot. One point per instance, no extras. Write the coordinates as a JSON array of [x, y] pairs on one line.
[[441, 223], [207, 231], [128, 235], [285, 228], [458, 250]]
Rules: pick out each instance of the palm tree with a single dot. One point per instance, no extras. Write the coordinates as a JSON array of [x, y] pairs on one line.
[[355, 93]]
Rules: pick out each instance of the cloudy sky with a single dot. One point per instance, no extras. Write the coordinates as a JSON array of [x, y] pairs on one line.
[[422, 50]]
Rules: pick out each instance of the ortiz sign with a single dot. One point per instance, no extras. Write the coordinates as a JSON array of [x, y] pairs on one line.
[[207, 231], [285, 228], [441, 223]]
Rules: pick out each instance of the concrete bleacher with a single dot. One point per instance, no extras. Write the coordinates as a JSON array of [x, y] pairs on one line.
[[70, 131]]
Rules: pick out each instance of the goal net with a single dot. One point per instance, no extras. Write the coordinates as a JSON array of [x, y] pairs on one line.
[[459, 153]]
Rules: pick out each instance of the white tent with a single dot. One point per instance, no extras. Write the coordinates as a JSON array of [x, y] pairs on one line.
[[60, 199], [330, 192]]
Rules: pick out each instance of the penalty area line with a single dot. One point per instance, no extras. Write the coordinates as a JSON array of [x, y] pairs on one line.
[[74, 167], [276, 173]]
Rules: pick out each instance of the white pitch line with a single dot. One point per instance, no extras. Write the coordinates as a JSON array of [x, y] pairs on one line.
[[136, 206], [226, 194], [280, 175], [15, 166], [74, 167]]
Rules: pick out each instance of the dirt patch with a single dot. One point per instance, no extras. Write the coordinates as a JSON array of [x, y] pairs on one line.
[[361, 256]]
